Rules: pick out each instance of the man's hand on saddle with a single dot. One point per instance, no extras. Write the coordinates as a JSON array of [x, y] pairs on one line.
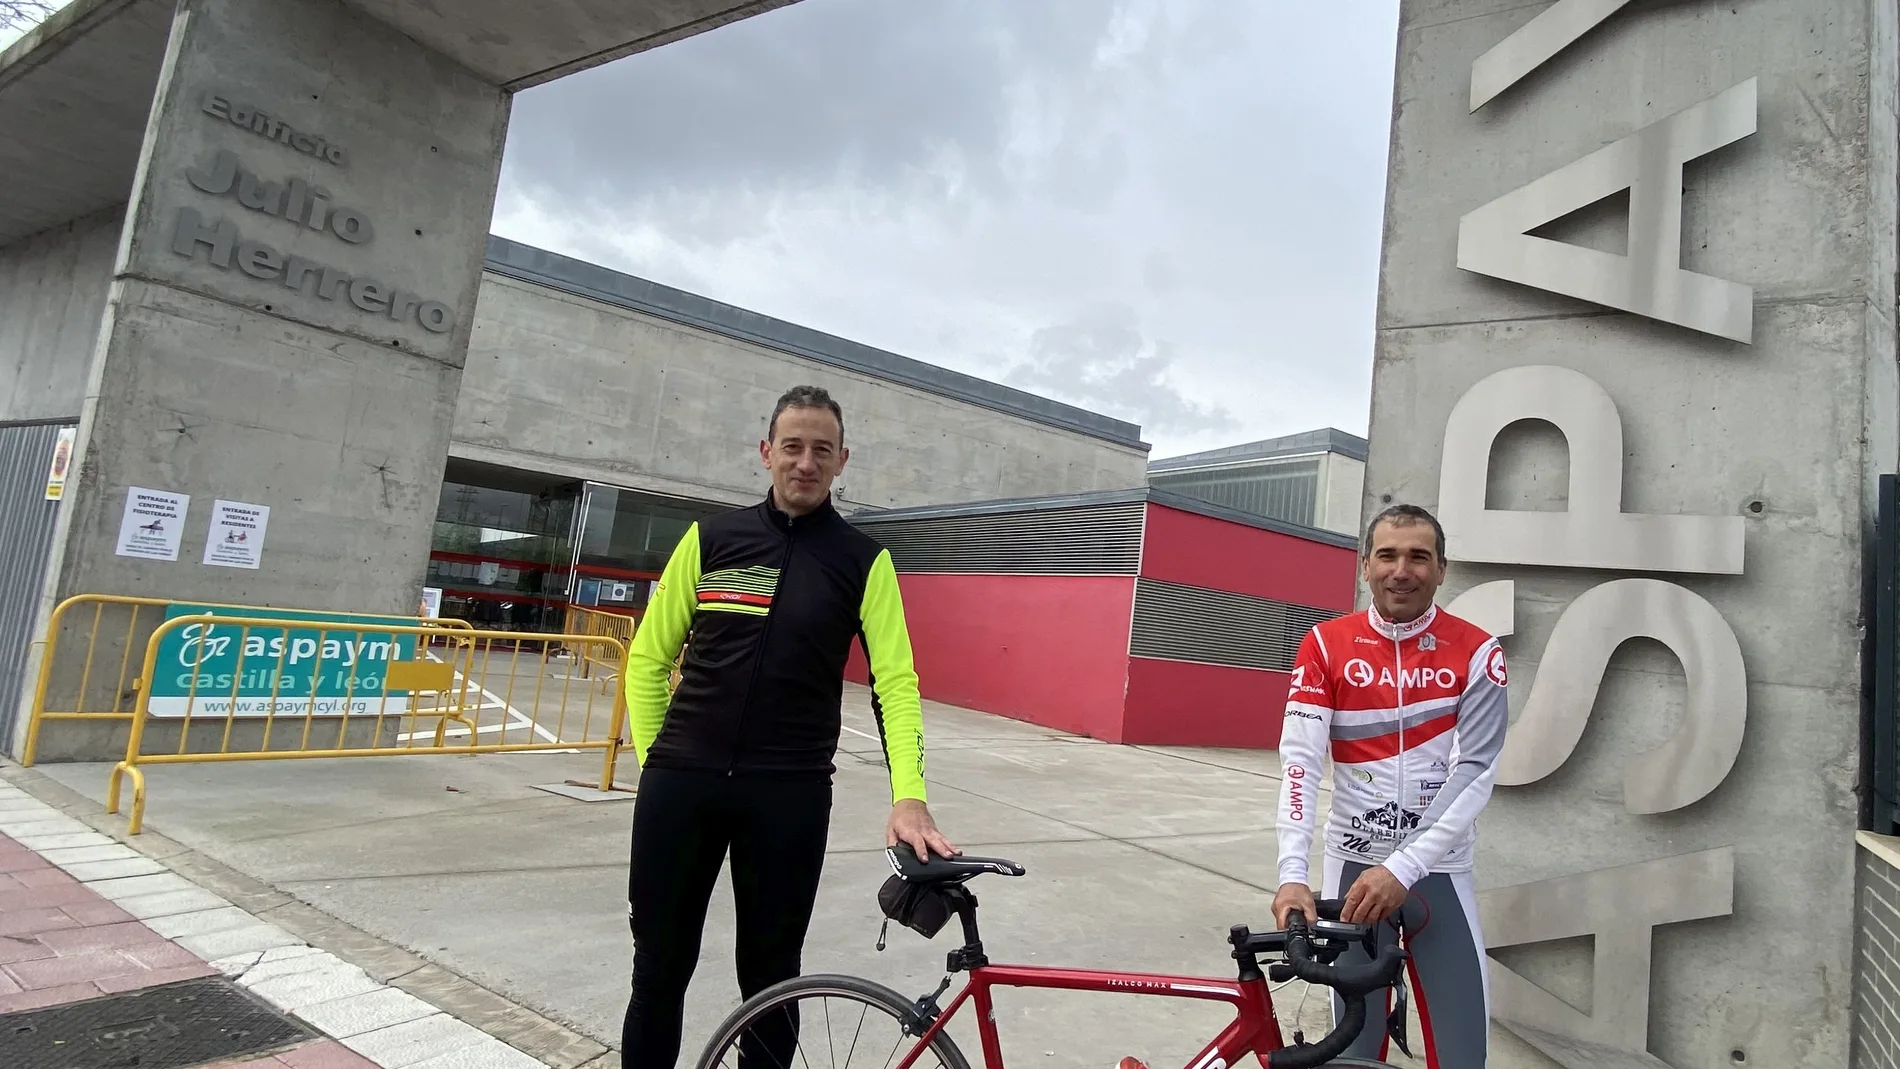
[[910, 822]]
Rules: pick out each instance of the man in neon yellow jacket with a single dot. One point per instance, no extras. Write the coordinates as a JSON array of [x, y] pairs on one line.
[[740, 756]]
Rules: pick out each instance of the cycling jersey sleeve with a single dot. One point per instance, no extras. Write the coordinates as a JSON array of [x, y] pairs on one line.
[[657, 642], [1483, 714], [1303, 743], [894, 697]]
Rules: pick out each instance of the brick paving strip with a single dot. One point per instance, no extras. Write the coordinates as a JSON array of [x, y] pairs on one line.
[[83, 916]]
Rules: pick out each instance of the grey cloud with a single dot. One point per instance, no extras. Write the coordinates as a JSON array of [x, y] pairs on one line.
[[872, 92], [1102, 362]]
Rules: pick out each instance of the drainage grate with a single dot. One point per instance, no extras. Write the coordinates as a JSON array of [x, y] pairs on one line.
[[171, 1027]]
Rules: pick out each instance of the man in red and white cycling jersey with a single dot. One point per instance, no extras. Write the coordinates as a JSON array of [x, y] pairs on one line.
[[1410, 703]]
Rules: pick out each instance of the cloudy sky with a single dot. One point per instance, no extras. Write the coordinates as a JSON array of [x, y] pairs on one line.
[[1164, 211]]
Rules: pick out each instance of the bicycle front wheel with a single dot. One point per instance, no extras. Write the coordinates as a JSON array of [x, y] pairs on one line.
[[825, 1022]]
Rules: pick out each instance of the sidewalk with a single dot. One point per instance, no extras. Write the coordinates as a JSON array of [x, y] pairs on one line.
[[107, 955]]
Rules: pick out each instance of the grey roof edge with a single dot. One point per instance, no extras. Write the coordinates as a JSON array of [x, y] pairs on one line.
[[1326, 439], [526, 263], [1092, 498], [59, 29]]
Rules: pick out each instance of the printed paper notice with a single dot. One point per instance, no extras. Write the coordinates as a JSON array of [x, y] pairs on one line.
[[236, 539], [154, 524]]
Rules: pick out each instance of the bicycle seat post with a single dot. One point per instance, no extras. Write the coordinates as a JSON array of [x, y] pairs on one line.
[[970, 955]]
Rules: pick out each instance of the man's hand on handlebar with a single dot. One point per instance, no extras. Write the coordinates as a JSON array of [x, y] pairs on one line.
[[1294, 896], [1374, 896]]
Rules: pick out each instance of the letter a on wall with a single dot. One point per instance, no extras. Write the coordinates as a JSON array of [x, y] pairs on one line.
[[1494, 240]]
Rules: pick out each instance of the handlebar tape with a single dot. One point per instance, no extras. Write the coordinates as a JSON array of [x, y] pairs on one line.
[[1352, 982]]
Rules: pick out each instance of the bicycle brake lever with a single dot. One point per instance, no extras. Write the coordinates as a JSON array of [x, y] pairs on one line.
[[1395, 1021]]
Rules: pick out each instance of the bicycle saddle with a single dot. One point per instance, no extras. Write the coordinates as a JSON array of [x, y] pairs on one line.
[[911, 869]]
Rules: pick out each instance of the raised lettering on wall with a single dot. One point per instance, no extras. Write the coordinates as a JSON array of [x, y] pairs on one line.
[[1620, 908], [1650, 281], [1557, 28], [1697, 758], [1594, 532]]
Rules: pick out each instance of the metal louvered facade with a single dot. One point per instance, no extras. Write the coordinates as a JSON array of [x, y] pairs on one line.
[[1286, 489], [1201, 626], [26, 541], [1097, 539]]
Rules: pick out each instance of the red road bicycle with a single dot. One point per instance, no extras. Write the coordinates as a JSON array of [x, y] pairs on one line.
[[772, 1031]]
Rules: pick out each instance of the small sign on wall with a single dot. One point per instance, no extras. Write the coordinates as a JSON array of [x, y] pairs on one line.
[[153, 525], [236, 538], [62, 463]]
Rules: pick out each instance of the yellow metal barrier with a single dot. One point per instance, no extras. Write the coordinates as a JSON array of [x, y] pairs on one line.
[[236, 685], [594, 623], [57, 695]]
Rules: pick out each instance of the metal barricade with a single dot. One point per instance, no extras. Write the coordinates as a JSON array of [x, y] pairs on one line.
[[595, 623], [257, 689], [95, 679]]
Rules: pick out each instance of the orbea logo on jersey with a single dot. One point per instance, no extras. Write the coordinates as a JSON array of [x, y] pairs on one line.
[[1494, 667], [1360, 674]]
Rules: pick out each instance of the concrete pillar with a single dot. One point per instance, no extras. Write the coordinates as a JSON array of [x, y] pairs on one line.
[[1636, 348], [290, 308]]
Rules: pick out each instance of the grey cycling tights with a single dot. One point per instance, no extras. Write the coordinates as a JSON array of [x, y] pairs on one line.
[[1449, 979]]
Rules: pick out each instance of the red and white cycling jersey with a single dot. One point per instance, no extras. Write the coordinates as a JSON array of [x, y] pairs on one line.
[[1413, 716]]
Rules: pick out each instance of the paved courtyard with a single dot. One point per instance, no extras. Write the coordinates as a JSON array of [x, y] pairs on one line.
[[1138, 858]]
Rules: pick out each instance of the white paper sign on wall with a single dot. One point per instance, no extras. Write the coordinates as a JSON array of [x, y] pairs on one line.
[[236, 538], [153, 525]]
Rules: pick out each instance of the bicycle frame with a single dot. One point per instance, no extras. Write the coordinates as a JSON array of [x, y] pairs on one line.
[[1254, 1029]]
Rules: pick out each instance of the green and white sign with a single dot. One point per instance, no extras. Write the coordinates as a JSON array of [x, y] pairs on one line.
[[331, 671]]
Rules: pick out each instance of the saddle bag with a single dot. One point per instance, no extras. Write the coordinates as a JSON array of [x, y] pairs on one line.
[[923, 908]]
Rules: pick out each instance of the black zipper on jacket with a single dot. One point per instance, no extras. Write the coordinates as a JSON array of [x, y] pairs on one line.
[[765, 633]]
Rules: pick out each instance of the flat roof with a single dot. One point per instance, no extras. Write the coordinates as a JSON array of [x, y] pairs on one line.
[[1325, 440], [75, 93], [1092, 498], [76, 90], [513, 259]]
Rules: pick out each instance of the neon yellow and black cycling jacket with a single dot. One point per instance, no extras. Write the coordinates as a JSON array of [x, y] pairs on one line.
[[767, 606]]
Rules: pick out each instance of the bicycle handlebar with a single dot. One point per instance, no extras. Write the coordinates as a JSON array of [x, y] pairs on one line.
[[1353, 982]]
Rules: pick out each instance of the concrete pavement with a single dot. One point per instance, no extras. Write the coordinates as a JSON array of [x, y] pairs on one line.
[[1138, 858], [106, 953]]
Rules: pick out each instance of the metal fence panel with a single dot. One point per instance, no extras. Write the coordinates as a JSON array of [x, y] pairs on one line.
[[26, 541]]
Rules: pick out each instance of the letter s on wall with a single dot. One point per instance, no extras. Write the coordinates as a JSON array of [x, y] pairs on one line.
[[1697, 758]]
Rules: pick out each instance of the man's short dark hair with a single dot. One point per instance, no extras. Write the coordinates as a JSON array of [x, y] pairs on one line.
[[1402, 516], [804, 397]]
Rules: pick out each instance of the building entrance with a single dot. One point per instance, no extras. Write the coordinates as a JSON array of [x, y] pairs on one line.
[[513, 549]]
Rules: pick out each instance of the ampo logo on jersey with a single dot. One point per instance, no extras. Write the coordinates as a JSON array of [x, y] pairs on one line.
[[1359, 673]]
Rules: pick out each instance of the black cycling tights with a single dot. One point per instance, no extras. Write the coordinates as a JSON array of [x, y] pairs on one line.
[[683, 823]]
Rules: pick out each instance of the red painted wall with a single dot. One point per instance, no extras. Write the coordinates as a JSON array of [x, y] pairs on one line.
[[1182, 547], [1175, 703], [1052, 650]]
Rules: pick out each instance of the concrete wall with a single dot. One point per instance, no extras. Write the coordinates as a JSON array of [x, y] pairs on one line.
[[568, 384], [258, 351], [1721, 924], [53, 289], [1342, 482], [1877, 955], [221, 380]]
